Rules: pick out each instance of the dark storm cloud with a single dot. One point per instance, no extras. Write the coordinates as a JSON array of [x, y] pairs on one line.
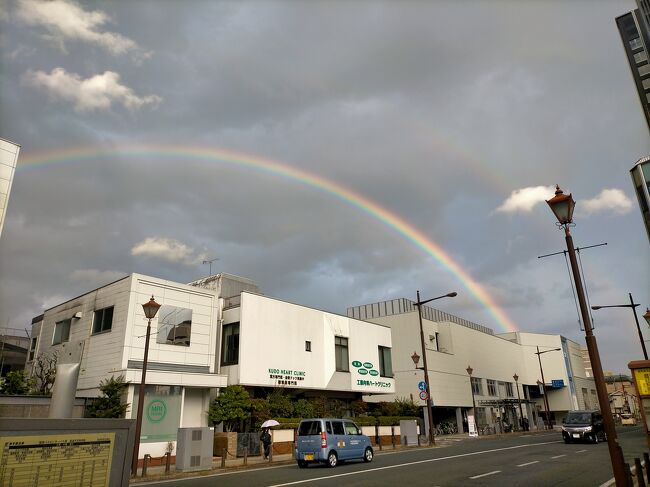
[[436, 111]]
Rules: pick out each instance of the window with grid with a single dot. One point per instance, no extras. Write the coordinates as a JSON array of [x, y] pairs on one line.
[[341, 354], [61, 331], [509, 389], [477, 386], [385, 362], [103, 320], [230, 344], [492, 387]]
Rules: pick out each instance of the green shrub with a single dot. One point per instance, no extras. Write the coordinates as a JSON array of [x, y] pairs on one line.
[[365, 420], [393, 420]]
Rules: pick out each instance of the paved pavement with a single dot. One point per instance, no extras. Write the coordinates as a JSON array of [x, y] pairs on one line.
[[158, 472]]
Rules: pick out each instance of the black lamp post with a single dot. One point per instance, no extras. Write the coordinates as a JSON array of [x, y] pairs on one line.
[[150, 310], [541, 371], [632, 305], [521, 412], [469, 371], [562, 206], [432, 440]]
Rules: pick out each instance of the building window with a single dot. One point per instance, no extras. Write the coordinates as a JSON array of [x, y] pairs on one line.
[[32, 348], [635, 43], [230, 344], [174, 325], [61, 331], [509, 390], [477, 386], [492, 387], [341, 354], [640, 57], [385, 362], [307, 346], [103, 320]]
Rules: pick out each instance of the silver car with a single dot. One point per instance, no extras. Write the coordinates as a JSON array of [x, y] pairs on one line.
[[330, 440]]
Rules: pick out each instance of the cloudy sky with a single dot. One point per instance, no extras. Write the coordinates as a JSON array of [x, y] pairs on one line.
[[456, 118]]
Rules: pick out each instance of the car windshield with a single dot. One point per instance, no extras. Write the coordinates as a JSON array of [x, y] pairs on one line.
[[578, 418]]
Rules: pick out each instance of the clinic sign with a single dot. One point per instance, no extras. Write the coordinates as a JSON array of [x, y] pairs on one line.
[[286, 377], [156, 411], [368, 370]]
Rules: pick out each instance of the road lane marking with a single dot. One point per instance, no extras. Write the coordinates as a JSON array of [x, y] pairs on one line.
[[485, 474], [558, 456], [451, 457], [529, 463], [581, 451]]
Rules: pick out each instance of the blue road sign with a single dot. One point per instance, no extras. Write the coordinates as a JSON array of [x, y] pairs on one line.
[[557, 383], [422, 385]]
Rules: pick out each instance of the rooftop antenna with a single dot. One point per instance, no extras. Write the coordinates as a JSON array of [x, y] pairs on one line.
[[210, 262]]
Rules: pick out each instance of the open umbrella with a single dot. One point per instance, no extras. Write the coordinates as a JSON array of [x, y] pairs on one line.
[[269, 422]]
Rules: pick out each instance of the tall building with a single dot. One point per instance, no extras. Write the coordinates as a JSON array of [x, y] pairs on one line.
[[8, 160], [641, 179], [635, 34]]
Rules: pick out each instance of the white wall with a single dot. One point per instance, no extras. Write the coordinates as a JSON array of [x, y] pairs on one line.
[[272, 347], [8, 160]]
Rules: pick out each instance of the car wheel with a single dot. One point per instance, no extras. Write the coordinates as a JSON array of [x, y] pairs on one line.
[[302, 464], [367, 455], [332, 459]]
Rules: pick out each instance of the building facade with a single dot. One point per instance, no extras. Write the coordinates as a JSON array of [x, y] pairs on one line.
[[454, 345], [8, 161], [641, 180], [636, 43]]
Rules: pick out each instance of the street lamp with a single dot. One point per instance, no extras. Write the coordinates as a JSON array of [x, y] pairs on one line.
[[548, 414], [432, 440], [647, 315], [469, 371], [632, 305], [562, 206], [150, 309], [521, 412]]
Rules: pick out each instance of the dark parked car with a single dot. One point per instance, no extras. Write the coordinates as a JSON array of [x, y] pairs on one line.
[[583, 426]]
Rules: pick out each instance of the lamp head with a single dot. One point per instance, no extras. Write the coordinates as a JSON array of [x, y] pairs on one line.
[[515, 377], [416, 359], [150, 308], [562, 206], [647, 315], [469, 370]]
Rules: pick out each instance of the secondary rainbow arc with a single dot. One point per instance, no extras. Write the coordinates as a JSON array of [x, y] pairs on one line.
[[257, 163]]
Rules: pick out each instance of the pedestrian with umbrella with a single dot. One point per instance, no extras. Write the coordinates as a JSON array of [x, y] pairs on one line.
[[266, 438]]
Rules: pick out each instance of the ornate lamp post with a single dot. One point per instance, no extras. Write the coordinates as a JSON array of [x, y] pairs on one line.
[[469, 371], [562, 206], [521, 412], [632, 305], [432, 440], [150, 310], [541, 371]]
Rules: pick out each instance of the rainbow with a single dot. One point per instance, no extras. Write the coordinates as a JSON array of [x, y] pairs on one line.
[[263, 165]]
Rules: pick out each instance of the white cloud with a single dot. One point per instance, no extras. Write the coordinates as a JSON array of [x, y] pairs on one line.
[[67, 20], [98, 92], [613, 200], [525, 199], [167, 249]]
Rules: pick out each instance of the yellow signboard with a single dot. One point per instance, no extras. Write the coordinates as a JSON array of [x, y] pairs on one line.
[[56, 460], [642, 379]]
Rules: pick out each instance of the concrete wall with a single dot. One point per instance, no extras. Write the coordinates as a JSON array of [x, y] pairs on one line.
[[33, 407]]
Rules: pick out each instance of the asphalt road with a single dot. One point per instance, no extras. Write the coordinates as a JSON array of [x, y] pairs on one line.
[[538, 460]]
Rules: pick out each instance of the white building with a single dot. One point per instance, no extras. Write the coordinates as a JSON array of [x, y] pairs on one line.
[[202, 341], [8, 160], [452, 344]]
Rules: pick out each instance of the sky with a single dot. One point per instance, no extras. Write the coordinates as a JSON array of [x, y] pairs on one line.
[[337, 153]]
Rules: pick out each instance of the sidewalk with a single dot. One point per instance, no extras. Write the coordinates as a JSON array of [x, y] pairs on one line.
[[232, 464]]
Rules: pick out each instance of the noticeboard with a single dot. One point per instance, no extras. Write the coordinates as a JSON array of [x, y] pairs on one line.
[[642, 380], [72, 459]]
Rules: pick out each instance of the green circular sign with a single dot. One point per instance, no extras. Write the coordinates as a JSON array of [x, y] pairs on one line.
[[363, 371], [367, 365], [356, 363], [374, 373], [156, 411]]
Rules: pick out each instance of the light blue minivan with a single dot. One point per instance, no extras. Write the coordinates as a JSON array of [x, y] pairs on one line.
[[329, 440]]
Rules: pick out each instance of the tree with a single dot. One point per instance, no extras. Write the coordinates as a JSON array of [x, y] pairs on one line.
[[232, 407], [45, 372], [303, 409], [359, 407], [406, 407], [260, 411], [16, 383], [280, 404], [109, 404]]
